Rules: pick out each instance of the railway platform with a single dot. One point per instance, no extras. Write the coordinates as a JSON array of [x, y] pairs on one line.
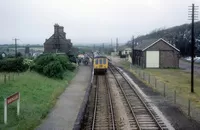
[[64, 113]]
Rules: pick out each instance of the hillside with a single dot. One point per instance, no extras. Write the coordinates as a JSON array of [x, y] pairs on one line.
[[178, 35]]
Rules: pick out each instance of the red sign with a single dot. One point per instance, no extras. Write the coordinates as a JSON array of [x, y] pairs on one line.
[[12, 98]]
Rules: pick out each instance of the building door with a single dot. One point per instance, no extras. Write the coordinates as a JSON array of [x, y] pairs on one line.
[[152, 59]]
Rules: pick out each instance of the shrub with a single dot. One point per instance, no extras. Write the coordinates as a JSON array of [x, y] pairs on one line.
[[52, 65], [71, 66], [53, 70], [63, 59], [28, 62], [13, 65], [42, 60]]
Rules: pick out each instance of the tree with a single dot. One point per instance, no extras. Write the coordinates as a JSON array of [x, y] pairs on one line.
[[178, 35]]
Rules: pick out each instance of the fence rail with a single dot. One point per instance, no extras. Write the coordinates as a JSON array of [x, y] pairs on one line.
[[188, 106]]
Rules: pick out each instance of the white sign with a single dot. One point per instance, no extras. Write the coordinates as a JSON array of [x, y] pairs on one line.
[[9, 100]]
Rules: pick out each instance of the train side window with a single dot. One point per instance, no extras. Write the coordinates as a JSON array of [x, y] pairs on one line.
[[100, 60], [104, 61], [96, 61]]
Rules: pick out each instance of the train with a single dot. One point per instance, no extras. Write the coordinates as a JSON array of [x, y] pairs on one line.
[[100, 64]]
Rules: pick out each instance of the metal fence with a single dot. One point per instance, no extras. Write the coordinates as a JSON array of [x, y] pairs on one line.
[[188, 106]]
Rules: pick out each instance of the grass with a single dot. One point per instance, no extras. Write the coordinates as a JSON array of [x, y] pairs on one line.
[[176, 79], [38, 95], [180, 81]]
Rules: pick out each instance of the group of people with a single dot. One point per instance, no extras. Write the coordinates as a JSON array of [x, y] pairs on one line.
[[84, 60]]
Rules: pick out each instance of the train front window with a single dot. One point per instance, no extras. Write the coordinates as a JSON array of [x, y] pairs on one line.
[[104, 61], [100, 60], [96, 61]]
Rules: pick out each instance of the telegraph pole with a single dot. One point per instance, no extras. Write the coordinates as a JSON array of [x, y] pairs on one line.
[[103, 48], [94, 48], [116, 44], [192, 16], [15, 46], [111, 42], [133, 56]]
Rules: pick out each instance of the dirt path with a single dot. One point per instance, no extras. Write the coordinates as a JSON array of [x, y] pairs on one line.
[[63, 115]]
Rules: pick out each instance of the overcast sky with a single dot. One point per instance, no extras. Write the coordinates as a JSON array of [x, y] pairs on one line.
[[88, 21]]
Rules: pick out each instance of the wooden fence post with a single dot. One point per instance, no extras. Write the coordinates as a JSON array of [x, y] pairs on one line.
[[13, 77], [4, 78], [174, 96], [143, 75], [139, 73], [8, 76], [189, 108], [149, 78], [164, 90]]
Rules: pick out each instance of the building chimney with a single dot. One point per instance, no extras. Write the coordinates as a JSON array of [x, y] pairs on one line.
[[64, 35], [56, 26], [61, 29]]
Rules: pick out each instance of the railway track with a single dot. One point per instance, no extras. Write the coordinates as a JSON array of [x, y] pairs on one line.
[[103, 114], [140, 114]]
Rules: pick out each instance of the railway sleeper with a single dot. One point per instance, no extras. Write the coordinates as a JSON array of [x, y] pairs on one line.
[[145, 121], [141, 116], [145, 118], [139, 109], [144, 124], [141, 112], [150, 128]]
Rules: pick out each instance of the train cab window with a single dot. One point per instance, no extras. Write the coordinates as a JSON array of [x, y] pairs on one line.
[[96, 61], [104, 61], [100, 61]]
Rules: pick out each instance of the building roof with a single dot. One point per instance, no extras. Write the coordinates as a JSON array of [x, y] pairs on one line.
[[150, 42], [144, 44]]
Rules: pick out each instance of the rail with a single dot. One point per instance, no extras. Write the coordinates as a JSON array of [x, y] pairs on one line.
[[110, 102], [139, 97], [132, 112], [101, 102]]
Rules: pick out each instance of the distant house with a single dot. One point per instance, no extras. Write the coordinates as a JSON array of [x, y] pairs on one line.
[[124, 51], [57, 43], [3, 54], [156, 54]]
